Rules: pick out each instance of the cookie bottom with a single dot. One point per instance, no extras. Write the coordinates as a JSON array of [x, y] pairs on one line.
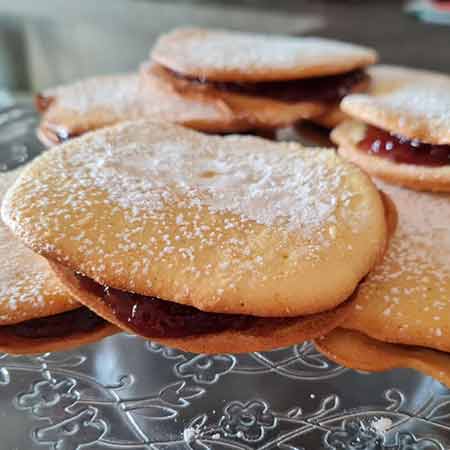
[[360, 352], [55, 333], [259, 335]]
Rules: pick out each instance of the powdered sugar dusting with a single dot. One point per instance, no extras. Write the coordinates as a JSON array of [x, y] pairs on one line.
[[95, 102], [410, 290], [142, 199], [117, 91], [410, 102], [228, 51], [226, 175], [27, 287], [387, 79], [425, 101]]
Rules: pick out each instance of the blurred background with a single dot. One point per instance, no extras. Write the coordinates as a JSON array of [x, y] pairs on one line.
[[48, 42]]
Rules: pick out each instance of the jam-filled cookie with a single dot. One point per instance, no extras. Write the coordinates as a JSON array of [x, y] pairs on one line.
[[37, 314], [71, 110], [360, 352], [187, 225], [267, 80], [400, 131], [401, 313], [406, 298]]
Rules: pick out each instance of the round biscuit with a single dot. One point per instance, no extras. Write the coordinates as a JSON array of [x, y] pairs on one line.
[[264, 335], [74, 109], [225, 55], [348, 134], [406, 298], [233, 224]]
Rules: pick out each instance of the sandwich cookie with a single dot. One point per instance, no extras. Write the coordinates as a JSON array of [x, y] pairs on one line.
[[173, 325], [37, 314], [403, 306], [163, 226], [71, 110], [406, 298], [268, 80], [400, 131]]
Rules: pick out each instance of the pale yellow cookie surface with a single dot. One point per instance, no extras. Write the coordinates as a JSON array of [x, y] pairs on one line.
[[360, 352], [28, 289], [226, 55], [406, 298], [232, 224], [73, 109], [410, 102], [348, 134]]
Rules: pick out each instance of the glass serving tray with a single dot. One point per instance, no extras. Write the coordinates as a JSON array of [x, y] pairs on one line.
[[128, 393]]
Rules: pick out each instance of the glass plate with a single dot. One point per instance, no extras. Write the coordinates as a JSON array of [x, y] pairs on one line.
[[128, 393]]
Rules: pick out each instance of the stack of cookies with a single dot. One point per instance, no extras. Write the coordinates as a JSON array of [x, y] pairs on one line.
[[215, 81], [399, 133], [37, 314], [213, 243], [402, 308]]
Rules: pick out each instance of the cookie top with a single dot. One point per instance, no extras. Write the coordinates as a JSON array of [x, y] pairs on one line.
[[28, 289], [406, 298], [93, 103], [409, 102], [225, 55], [231, 224]]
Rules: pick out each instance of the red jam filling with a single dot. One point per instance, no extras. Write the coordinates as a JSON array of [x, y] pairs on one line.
[[399, 149], [152, 317], [331, 88], [77, 321]]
